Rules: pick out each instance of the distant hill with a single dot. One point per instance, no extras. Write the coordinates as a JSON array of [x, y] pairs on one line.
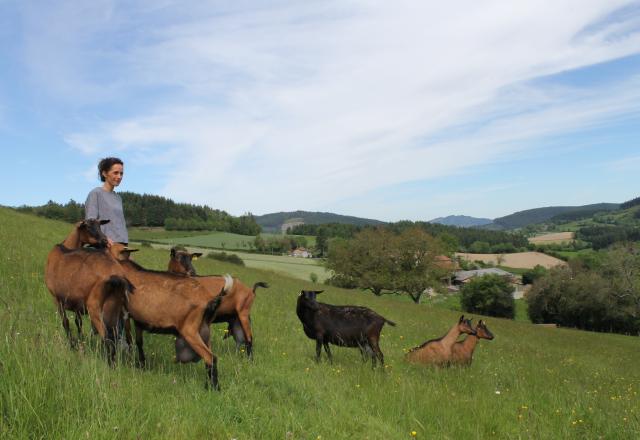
[[463, 221], [273, 222], [540, 215]]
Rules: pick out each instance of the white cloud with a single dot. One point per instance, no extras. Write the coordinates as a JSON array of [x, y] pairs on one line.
[[299, 106]]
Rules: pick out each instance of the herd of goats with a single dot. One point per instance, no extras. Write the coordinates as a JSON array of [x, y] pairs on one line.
[[86, 276]]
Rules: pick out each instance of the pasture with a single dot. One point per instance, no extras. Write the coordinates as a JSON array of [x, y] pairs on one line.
[[529, 382], [519, 260], [215, 240], [299, 268], [555, 237]]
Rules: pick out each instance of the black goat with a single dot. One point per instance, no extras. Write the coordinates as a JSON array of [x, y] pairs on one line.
[[344, 326]]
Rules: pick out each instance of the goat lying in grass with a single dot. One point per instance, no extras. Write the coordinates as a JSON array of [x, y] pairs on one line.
[[344, 326], [439, 351], [462, 352], [173, 304], [83, 279], [234, 309]]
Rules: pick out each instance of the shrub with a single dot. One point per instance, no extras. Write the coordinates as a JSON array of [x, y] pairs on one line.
[[490, 295], [531, 275], [599, 294], [229, 258], [313, 277]]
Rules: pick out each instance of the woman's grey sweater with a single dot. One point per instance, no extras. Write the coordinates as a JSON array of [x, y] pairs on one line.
[[105, 205]]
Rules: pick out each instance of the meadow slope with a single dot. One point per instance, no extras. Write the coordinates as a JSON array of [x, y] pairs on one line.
[[529, 382]]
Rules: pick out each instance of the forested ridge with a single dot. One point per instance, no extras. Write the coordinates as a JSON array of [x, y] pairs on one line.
[[157, 211]]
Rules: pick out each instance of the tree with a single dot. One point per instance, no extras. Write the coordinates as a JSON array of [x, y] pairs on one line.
[[530, 276], [490, 295], [600, 297], [480, 247], [364, 261], [380, 260], [415, 268]]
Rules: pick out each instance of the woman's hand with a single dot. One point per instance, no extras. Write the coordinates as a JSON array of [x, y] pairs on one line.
[[109, 242]]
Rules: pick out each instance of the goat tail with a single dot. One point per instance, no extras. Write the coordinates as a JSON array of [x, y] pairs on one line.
[[118, 286], [228, 284], [211, 309], [260, 284], [391, 323]]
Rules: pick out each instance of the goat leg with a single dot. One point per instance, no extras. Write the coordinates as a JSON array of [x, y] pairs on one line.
[[376, 353], [195, 341], [94, 308], [246, 328], [328, 351], [78, 320], [127, 332], [318, 349], [65, 323], [140, 344]]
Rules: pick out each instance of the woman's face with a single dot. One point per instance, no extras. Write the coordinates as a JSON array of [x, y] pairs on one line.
[[114, 176]]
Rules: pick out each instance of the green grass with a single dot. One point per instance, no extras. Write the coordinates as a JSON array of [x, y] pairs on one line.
[[452, 302], [529, 382], [299, 268], [216, 240], [153, 234]]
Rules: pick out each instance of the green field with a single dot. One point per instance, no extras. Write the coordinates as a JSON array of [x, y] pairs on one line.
[[215, 240], [299, 268], [529, 382]]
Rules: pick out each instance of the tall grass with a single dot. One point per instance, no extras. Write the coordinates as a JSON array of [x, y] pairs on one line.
[[528, 383]]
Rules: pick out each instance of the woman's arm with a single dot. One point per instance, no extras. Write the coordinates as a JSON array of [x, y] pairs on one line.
[[91, 206]]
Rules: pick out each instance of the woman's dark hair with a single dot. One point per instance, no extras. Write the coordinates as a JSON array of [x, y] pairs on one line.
[[106, 164]]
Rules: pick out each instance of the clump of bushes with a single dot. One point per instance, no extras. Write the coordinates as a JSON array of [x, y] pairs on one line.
[[599, 294], [228, 258], [530, 276], [490, 295]]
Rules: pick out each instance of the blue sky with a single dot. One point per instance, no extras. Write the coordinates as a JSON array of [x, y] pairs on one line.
[[387, 110]]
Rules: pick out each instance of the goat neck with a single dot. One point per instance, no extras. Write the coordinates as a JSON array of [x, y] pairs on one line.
[[73, 240], [469, 343], [452, 335]]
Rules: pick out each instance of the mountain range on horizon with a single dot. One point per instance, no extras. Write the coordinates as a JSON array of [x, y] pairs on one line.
[[273, 222]]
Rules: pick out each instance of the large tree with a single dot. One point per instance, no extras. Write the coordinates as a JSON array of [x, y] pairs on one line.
[[415, 264], [364, 261], [381, 260]]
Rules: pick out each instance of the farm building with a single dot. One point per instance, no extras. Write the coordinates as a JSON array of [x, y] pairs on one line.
[[300, 253], [464, 276], [444, 262]]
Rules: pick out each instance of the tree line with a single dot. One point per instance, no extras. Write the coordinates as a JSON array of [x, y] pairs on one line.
[[599, 292], [153, 211], [459, 239]]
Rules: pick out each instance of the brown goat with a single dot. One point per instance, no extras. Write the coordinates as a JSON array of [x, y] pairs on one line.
[[82, 279], [438, 351], [234, 309], [174, 304], [462, 352]]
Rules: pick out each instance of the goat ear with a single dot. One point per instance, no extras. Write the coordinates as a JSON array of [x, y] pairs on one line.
[[319, 291], [196, 255], [131, 250], [461, 318], [173, 252], [104, 222]]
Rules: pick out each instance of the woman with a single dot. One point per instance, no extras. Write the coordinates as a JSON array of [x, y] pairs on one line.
[[104, 203]]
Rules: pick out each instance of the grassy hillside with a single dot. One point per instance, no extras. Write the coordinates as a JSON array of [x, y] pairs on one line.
[[539, 215], [529, 382], [273, 222], [298, 268], [463, 221], [216, 240]]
